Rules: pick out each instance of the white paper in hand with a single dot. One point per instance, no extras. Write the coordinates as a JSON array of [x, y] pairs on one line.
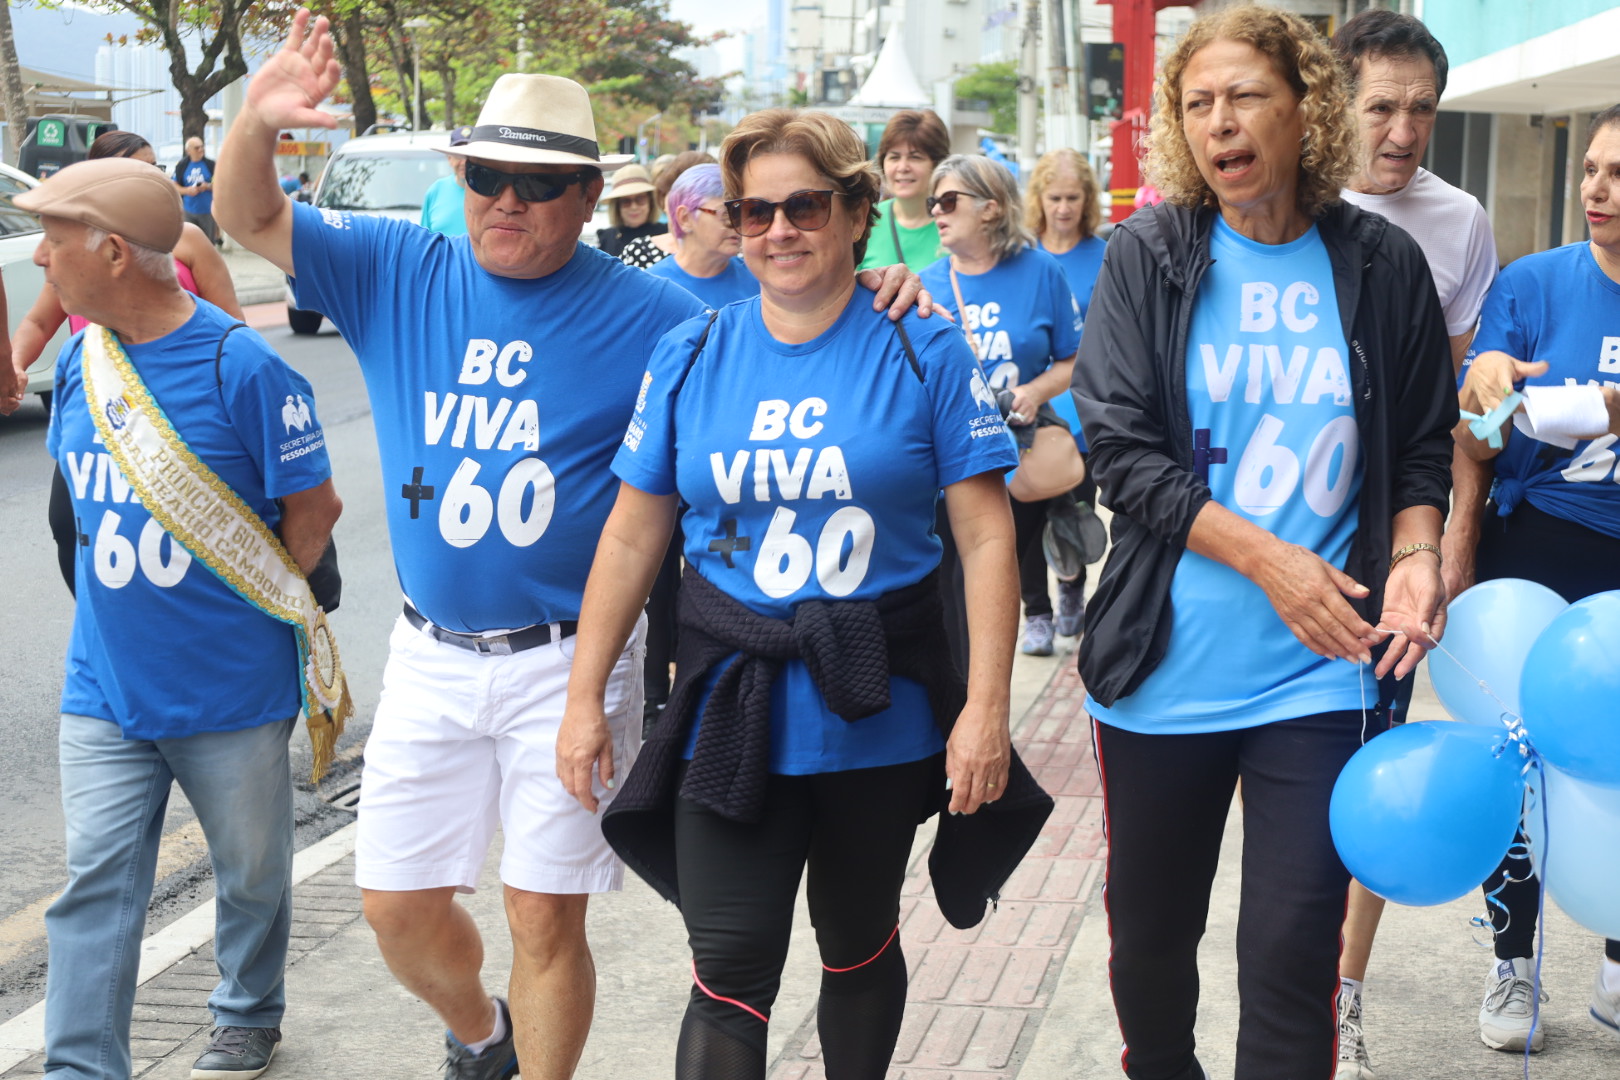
[[1563, 415]]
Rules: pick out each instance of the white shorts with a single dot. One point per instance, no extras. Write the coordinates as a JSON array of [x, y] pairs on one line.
[[463, 742]]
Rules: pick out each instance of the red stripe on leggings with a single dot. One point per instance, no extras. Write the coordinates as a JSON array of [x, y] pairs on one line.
[[839, 971], [728, 1001]]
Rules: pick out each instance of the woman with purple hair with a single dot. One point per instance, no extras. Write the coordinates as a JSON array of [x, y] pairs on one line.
[[705, 263]]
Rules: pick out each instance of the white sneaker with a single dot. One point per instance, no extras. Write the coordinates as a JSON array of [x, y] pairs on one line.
[[1354, 1064], [1507, 1014], [1605, 1005]]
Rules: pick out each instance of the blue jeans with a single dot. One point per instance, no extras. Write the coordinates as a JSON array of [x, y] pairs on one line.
[[114, 794]]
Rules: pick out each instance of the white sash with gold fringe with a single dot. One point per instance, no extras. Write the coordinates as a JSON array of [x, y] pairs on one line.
[[203, 514]]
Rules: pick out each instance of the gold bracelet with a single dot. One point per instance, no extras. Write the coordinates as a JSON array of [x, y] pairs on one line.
[[1412, 549]]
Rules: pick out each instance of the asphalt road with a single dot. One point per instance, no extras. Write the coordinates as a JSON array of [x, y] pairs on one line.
[[38, 619]]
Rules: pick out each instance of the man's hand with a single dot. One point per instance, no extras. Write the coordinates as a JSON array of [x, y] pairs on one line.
[[288, 88], [977, 757], [583, 743], [1415, 608], [1490, 377], [898, 289]]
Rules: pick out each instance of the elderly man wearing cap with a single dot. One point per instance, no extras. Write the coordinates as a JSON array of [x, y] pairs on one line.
[[501, 381], [170, 426]]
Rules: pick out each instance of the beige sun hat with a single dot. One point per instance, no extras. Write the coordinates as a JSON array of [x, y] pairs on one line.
[[629, 180], [116, 195], [536, 120]]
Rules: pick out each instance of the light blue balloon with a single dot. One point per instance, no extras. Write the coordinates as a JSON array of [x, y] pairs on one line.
[[1571, 691], [1581, 862], [1490, 629], [1424, 812]]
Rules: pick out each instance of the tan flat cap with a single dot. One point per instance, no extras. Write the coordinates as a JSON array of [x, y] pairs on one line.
[[117, 195]]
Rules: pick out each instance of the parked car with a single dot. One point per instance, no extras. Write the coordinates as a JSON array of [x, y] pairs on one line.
[[19, 236], [384, 175]]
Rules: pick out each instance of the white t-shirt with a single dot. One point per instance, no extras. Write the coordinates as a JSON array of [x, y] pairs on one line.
[[1455, 235]]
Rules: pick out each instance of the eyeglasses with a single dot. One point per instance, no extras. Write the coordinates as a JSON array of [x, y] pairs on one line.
[[946, 203], [530, 187], [706, 210], [807, 210]]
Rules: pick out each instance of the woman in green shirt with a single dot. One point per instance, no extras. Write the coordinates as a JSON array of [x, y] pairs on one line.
[[913, 143]]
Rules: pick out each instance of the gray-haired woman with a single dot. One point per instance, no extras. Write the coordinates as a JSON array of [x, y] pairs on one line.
[[1265, 384]]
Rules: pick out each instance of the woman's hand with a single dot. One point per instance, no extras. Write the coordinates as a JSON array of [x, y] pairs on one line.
[[1489, 378], [977, 756], [583, 743], [1309, 596], [1026, 403], [1415, 609], [899, 290]]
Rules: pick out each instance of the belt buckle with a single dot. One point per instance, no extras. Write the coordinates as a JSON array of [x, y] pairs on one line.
[[493, 646]]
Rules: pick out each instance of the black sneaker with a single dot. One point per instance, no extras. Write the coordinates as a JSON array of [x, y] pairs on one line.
[[497, 1062], [236, 1053]]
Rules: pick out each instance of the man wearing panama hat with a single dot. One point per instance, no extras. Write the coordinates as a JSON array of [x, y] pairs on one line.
[[499, 392]]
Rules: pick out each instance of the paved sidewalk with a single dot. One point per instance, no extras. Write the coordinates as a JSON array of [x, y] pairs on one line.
[[257, 280], [1024, 995]]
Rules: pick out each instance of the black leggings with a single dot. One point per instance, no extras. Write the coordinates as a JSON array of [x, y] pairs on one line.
[[1574, 562], [1166, 801], [1029, 523], [63, 528], [738, 883]]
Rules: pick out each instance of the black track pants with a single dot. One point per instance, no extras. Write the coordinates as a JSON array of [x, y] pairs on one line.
[[1167, 798]]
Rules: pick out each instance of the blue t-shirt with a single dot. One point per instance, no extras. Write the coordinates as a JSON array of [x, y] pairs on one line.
[[1275, 437], [444, 207], [1021, 313], [191, 174], [1558, 306], [735, 282], [1081, 264], [498, 404], [810, 473], [160, 646]]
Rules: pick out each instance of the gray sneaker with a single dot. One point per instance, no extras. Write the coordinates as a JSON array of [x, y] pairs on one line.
[[1071, 608], [1507, 1016], [497, 1062], [1038, 635], [236, 1053], [1354, 1064]]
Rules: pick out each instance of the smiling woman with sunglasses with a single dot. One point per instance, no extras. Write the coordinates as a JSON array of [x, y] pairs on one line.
[[810, 721]]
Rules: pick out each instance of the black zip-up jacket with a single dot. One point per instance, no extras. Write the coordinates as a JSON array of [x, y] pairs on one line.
[[1130, 384]]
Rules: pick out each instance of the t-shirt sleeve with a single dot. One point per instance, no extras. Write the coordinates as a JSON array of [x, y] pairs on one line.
[[1500, 328], [646, 458], [969, 436], [341, 259], [1066, 319], [1463, 310], [273, 412]]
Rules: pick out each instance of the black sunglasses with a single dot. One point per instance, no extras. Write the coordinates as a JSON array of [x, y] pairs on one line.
[[530, 187], [947, 202], [807, 210]]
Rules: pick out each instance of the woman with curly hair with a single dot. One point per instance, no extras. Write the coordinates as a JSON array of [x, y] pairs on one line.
[[1265, 384]]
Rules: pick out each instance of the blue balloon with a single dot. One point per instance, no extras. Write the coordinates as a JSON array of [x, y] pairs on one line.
[[1424, 812], [1571, 691], [1490, 629], [1581, 862]]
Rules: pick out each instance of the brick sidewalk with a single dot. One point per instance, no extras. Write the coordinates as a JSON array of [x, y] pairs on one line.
[[977, 997]]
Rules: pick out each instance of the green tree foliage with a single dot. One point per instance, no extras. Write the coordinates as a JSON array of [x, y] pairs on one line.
[[997, 85]]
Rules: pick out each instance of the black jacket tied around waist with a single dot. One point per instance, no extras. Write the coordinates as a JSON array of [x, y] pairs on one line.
[[851, 649]]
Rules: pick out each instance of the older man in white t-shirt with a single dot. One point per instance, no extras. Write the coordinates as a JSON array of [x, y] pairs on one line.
[[1399, 72]]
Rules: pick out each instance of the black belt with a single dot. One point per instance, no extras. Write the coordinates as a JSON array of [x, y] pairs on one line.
[[530, 637]]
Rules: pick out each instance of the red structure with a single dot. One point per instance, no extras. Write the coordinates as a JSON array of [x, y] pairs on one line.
[[1133, 28]]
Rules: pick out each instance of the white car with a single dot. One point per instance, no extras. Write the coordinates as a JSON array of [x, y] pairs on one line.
[[379, 175], [19, 236]]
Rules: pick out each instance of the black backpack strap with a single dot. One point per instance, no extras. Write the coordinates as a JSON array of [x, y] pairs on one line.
[[911, 354], [703, 339], [219, 350]]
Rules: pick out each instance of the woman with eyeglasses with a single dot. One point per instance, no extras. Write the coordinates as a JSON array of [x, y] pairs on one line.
[[810, 723], [705, 263], [1022, 320], [202, 272], [631, 214], [643, 251]]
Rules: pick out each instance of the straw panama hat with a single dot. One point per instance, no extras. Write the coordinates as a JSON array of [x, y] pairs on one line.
[[536, 120], [629, 180]]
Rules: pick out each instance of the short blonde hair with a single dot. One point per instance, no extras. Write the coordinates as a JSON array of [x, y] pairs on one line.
[[830, 146], [986, 179], [1046, 170], [1330, 153]]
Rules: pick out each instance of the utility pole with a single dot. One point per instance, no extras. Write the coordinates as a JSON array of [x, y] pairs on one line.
[[1028, 89]]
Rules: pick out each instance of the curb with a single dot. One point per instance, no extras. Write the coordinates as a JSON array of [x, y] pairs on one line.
[[24, 1034]]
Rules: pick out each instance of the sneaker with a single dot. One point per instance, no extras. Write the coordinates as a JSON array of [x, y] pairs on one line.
[[497, 1062], [1506, 1016], [1354, 1064], [236, 1053], [1038, 635], [1605, 1005], [1071, 609]]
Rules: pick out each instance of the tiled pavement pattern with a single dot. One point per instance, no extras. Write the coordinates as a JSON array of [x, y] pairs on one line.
[[977, 997], [172, 1022]]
